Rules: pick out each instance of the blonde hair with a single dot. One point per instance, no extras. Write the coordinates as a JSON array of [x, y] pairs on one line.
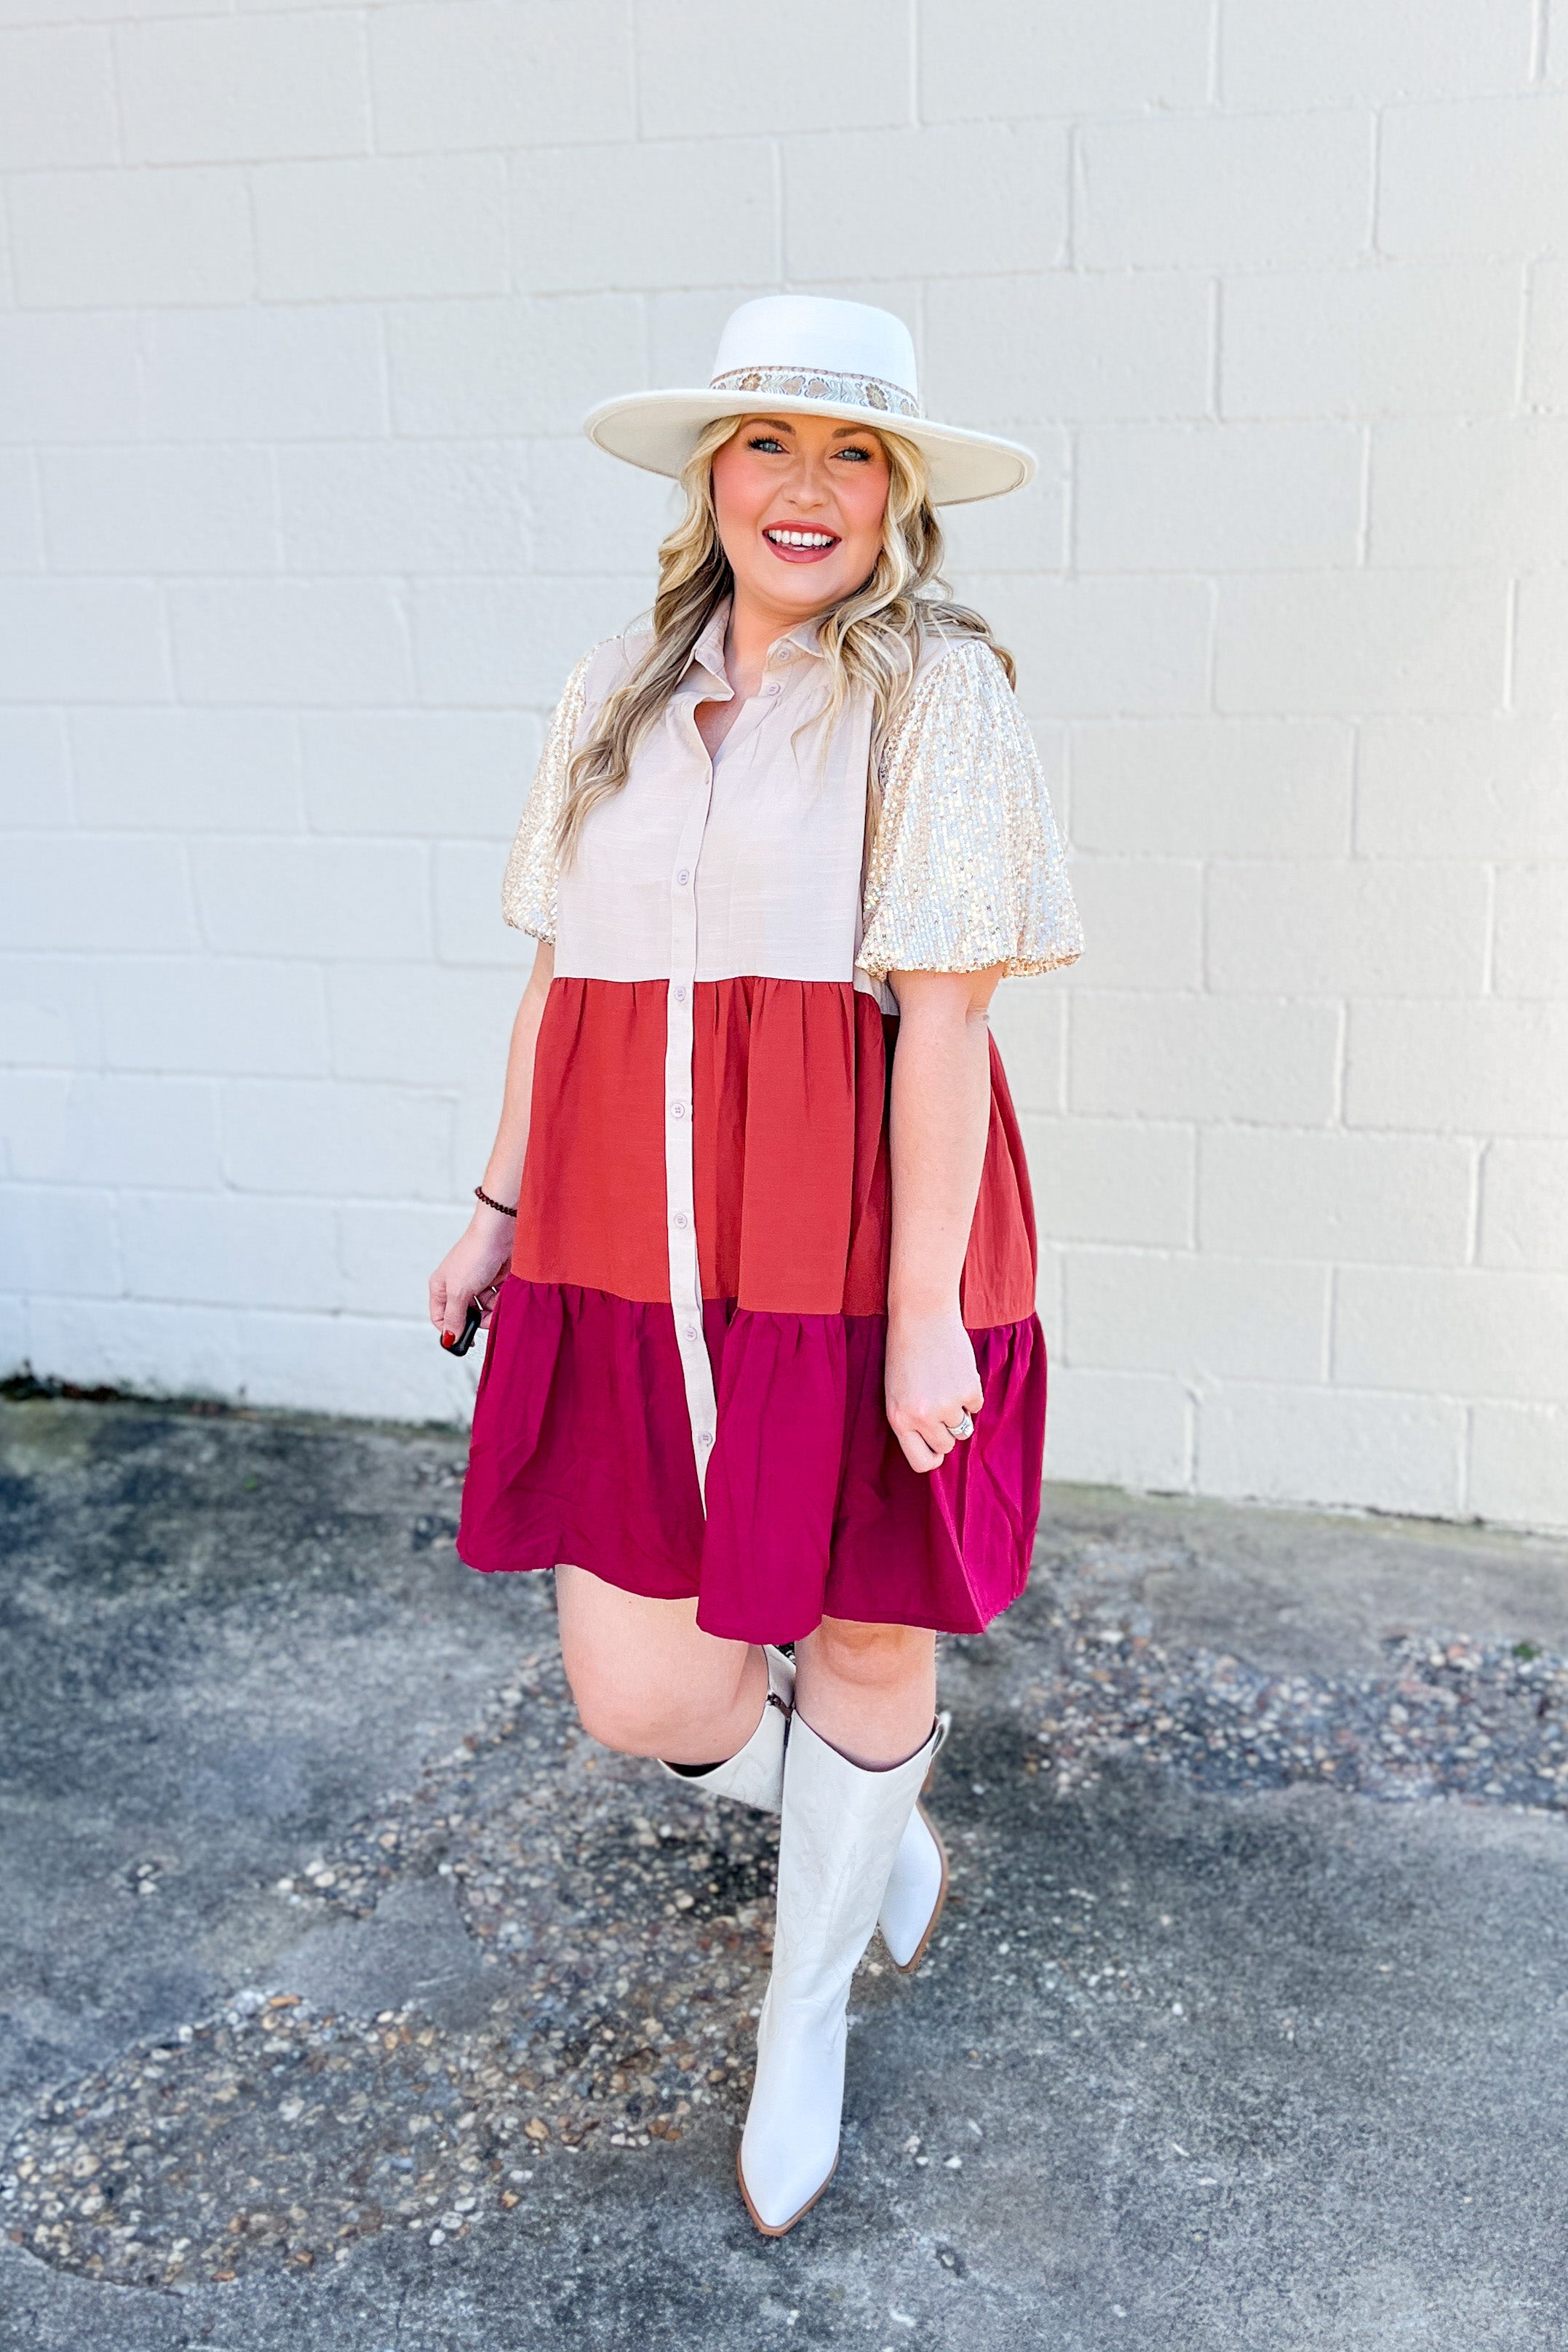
[[871, 639]]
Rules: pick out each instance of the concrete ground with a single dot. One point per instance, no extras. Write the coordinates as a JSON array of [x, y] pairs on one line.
[[1251, 2068]]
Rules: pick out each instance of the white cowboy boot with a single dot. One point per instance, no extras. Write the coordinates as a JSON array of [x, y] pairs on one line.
[[841, 1829], [754, 1775]]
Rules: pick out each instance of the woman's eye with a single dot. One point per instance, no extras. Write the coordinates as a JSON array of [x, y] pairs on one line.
[[768, 442], [859, 456]]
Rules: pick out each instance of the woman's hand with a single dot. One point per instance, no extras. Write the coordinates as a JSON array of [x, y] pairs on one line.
[[471, 1268], [931, 1382]]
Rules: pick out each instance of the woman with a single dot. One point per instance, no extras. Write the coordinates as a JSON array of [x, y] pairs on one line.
[[764, 1368]]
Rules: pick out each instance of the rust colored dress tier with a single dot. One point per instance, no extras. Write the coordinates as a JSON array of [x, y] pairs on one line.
[[683, 1386]]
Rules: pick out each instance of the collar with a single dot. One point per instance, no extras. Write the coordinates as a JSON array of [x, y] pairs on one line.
[[708, 651], [804, 636]]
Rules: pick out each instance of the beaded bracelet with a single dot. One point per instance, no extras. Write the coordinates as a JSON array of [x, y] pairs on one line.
[[480, 1194]]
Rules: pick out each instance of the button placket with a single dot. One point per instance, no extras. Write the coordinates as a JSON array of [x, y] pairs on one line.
[[685, 1278]]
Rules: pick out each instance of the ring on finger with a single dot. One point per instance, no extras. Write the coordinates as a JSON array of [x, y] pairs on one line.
[[963, 1427]]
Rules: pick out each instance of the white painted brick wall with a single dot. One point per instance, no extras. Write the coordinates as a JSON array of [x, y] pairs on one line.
[[299, 307]]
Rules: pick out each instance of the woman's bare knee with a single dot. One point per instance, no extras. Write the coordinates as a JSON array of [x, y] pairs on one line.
[[619, 1702], [875, 1657], [869, 1690], [647, 1680], [700, 1726], [616, 1719]]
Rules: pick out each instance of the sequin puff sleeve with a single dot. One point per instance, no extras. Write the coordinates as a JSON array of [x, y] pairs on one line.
[[966, 867], [527, 887]]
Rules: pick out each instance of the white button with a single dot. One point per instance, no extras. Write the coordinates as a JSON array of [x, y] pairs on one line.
[[682, 878], [680, 1221], [688, 1330], [677, 1110], [681, 993], [705, 1437], [772, 687]]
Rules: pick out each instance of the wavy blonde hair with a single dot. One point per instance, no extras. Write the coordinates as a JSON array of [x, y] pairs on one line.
[[870, 639]]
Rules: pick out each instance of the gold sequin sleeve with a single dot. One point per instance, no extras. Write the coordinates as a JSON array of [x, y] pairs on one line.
[[528, 886], [966, 867]]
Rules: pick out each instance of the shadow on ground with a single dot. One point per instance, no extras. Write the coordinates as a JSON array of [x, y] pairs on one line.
[[352, 2000]]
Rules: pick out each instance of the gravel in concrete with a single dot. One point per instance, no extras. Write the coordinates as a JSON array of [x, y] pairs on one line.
[[354, 1997]]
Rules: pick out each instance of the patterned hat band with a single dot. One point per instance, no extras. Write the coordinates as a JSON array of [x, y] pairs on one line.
[[848, 391]]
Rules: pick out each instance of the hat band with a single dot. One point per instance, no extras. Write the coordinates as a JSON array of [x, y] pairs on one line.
[[849, 391]]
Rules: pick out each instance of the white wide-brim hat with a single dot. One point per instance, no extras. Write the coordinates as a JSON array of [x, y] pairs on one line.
[[805, 356]]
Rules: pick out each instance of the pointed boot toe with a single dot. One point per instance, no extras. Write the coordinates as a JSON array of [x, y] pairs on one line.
[[780, 2229], [789, 2149]]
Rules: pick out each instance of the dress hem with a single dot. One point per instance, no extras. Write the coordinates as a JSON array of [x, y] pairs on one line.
[[604, 1570]]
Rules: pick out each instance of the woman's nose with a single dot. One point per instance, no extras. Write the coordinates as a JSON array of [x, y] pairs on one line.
[[808, 488]]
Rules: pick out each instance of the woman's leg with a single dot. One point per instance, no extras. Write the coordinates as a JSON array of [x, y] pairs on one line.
[[870, 1691], [648, 1680]]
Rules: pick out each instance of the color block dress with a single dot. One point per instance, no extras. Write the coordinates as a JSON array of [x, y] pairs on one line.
[[683, 1386]]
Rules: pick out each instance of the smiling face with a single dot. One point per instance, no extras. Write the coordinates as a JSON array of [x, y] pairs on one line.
[[799, 502]]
